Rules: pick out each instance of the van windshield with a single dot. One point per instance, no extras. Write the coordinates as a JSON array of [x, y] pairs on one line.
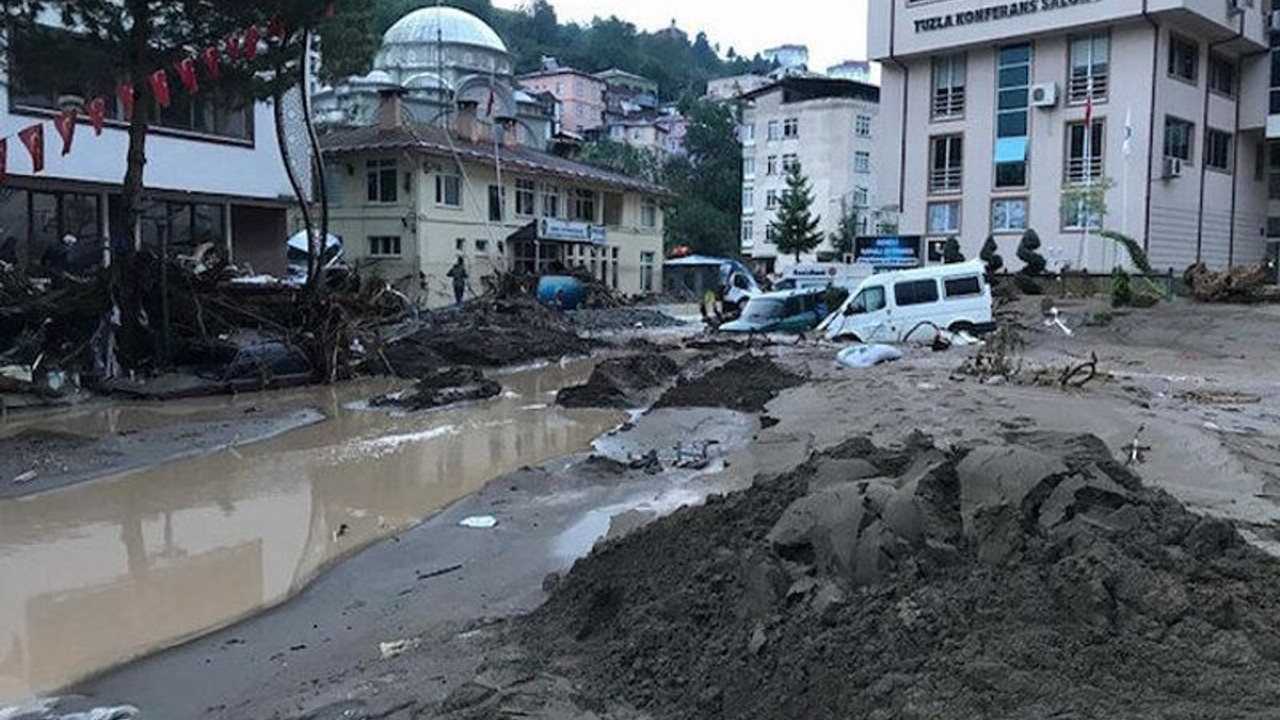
[[763, 310]]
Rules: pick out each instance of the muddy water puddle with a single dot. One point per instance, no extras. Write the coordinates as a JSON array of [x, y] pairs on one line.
[[104, 571]]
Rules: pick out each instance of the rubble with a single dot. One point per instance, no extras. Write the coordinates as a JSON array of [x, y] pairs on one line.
[[625, 318], [441, 388], [1244, 283]]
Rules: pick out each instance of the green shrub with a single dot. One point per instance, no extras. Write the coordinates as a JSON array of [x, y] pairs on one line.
[[1033, 261], [1121, 288]]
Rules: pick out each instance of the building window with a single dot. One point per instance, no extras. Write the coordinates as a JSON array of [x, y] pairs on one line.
[[774, 130], [1084, 152], [582, 205], [748, 199], [497, 201], [460, 245], [1090, 67], [944, 217], [482, 247], [1222, 75], [748, 231], [381, 176], [646, 271], [526, 192], [771, 165], [862, 126], [770, 233], [948, 87], [791, 128], [649, 213], [1078, 216], [448, 190], [1013, 117], [860, 197], [862, 161], [384, 246], [550, 201], [1178, 140], [748, 167], [789, 161], [1217, 150], [771, 199], [748, 134], [946, 172], [1184, 58], [1008, 215]]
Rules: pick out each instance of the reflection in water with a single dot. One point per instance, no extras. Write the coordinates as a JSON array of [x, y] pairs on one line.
[[104, 571]]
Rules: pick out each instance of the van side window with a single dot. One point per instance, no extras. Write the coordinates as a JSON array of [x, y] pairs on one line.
[[963, 286], [915, 292]]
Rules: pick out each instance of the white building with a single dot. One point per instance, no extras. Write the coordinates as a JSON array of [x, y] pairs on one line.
[[859, 70], [830, 127], [987, 106], [790, 58]]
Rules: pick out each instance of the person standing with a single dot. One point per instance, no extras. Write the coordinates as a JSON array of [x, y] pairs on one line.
[[459, 274]]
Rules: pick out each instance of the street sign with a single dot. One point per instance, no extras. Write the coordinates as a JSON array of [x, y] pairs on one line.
[[570, 231]]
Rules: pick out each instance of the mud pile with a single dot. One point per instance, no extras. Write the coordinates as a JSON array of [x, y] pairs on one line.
[[746, 383], [1033, 577], [625, 318], [620, 383], [441, 388]]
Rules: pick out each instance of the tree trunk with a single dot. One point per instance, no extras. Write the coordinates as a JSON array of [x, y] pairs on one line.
[[317, 248], [296, 184]]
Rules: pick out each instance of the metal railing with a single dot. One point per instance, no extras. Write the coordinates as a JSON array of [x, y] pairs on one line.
[[1078, 87], [1080, 170], [948, 179], [948, 102]]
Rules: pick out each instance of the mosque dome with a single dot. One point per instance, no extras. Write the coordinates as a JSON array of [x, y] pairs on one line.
[[444, 24]]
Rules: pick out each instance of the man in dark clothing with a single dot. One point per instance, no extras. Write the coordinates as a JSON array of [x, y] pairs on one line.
[[459, 274]]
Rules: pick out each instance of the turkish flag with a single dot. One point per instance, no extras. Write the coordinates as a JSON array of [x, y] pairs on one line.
[[97, 112], [127, 98], [211, 67], [275, 29], [251, 37], [186, 68], [65, 124], [233, 47], [4, 159], [33, 139], [160, 87]]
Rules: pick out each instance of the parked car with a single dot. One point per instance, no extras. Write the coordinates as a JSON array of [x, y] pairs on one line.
[[689, 278], [811, 275], [912, 304], [788, 311]]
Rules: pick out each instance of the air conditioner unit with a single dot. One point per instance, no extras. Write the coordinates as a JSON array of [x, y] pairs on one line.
[[1172, 168], [1044, 95]]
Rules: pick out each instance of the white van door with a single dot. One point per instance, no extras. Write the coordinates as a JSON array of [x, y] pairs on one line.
[[867, 316], [918, 309]]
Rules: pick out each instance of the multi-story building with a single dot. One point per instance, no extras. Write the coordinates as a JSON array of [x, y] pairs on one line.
[[732, 88], [581, 95], [790, 58], [1147, 117], [859, 70], [410, 199], [830, 128]]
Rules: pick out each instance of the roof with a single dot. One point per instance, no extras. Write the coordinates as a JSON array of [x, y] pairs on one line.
[[553, 72], [436, 141], [444, 24], [698, 261], [796, 88]]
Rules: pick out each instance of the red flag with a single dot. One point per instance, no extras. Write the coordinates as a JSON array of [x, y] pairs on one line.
[[4, 159], [328, 10], [186, 68], [160, 87], [251, 37], [211, 67], [127, 98], [33, 139], [97, 112], [233, 47], [1088, 111], [65, 124], [275, 29]]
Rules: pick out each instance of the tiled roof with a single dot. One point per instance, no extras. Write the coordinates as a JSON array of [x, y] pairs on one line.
[[435, 141]]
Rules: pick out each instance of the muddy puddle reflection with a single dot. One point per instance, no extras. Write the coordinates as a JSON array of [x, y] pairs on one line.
[[104, 571]]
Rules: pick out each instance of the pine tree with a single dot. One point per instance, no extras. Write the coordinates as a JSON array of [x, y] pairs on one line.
[[796, 228], [991, 256]]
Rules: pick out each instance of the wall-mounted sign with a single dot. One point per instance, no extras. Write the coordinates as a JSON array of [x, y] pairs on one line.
[[1003, 11], [571, 231], [888, 252]]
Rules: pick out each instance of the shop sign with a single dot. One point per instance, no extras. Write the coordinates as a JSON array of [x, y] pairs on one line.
[[989, 13]]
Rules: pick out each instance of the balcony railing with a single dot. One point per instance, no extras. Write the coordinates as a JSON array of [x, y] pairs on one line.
[[944, 180], [1078, 88], [1080, 170], [948, 102]]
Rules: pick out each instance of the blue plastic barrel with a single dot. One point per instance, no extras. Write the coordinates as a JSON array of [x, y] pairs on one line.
[[561, 291]]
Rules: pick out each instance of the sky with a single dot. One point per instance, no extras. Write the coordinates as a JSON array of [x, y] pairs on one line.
[[834, 30]]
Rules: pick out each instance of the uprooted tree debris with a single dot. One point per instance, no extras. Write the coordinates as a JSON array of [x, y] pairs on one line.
[[1240, 284]]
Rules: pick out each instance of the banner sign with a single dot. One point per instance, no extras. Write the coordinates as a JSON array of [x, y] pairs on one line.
[[888, 252], [1003, 11], [570, 231]]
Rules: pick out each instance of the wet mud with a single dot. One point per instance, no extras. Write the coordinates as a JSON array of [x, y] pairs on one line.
[[746, 383], [621, 383]]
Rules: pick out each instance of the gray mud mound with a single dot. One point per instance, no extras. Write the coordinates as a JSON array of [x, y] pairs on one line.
[[441, 388], [624, 318], [620, 382], [1030, 578], [746, 383]]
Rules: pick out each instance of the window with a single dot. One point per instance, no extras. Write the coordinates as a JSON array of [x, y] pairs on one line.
[[649, 213], [582, 205], [448, 190], [771, 199], [1178, 136], [1013, 117], [384, 246], [773, 131], [748, 231], [1184, 58], [1090, 68], [962, 286], [748, 134], [1217, 150], [381, 175], [944, 217], [915, 292], [771, 165], [868, 301], [550, 201], [526, 192], [748, 199], [497, 201], [948, 87], [862, 126], [748, 167], [770, 233], [789, 161], [1008, 215], [482, 247], [860, 197], [1078, 216], [1222, 75], [946, 171], [460, 245], [1084, 152], [862, 161], [646, 272], [791, 128]]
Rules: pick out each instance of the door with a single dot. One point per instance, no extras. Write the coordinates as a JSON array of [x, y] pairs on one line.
[[867, 316]]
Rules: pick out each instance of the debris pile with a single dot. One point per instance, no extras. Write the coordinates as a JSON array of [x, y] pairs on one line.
[[621, 382], [746, 383], [626, 318], [1032, 576], [1241, 284], [441, 388]]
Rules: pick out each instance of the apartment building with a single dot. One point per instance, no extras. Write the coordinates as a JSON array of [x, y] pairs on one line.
[[581, 96], [828, 126], [1148, 117]]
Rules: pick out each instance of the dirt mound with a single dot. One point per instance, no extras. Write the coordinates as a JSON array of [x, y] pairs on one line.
[[746, 384], [620, 382], [441, 388], [1029, 578], [626, 318]]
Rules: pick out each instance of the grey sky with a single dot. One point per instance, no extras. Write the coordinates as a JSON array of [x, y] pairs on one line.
[[834, 30]]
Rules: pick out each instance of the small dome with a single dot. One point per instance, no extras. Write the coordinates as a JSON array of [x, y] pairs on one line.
[[426, 81], [446, 24], [376, 77]]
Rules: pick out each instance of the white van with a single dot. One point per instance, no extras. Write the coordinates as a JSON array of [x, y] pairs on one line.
[[907, 305]]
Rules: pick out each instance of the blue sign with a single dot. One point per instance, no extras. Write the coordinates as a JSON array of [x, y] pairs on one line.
[[888, 252]]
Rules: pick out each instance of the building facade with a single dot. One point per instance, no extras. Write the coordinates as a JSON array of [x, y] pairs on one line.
[[1147, 117], [410, 200], [732, 88], [859, 70], [830, 128], [581, 96], [790, 58]]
